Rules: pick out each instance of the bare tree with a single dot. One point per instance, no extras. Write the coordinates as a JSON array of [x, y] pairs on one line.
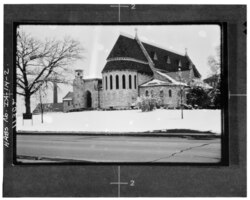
[[215, 62], [38, 62], [41, 97]]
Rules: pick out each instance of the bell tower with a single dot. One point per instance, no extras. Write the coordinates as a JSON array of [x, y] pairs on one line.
[[79, 73], [78, 89]]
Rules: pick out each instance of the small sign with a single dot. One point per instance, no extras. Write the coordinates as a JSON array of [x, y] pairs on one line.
[[27, 116]]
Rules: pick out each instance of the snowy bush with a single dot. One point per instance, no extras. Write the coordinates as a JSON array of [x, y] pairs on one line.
[[147, 103]]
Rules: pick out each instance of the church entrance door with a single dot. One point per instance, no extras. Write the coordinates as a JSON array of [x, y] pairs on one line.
[[89, 99]]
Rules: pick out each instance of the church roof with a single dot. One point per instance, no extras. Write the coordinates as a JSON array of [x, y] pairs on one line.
[[68, 96], [127, 64], [171, 80], [126, 47], [157, 82]]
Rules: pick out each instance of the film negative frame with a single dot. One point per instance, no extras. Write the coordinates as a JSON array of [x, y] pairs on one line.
[[231, 20]]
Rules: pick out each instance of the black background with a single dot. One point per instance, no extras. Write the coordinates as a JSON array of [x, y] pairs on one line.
[[150, 180]]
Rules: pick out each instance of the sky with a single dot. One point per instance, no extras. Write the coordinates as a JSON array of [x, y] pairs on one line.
[[98, 40]]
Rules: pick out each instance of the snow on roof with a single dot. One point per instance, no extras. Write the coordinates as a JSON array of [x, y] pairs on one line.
[[155, 82], [171, 79], [200, 83], [69, 96]]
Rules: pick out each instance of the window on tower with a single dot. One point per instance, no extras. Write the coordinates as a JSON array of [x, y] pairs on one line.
[[130, 82], [117, 81], [123, 82], [111, 82], [106, 82], [170, 93], [152, 93], [161, 93], [135, 81]]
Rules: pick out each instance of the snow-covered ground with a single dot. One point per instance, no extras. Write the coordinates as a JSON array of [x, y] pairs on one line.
[[124, 121]]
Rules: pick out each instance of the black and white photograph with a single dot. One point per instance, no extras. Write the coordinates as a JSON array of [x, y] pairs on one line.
[[124, 100], [118, 93]]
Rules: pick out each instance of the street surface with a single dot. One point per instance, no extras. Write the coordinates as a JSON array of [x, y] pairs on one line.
[[118, 148]]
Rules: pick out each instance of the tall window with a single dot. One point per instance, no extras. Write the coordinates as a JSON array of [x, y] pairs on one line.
[[106, 82], [161, 94], [123, 82], [130, 81], [117, 81], [146, 93], [135, 81], [152, 93], [111, 83], [170, 93]]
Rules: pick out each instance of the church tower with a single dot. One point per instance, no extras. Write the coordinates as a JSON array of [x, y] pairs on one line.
[[78, 89]]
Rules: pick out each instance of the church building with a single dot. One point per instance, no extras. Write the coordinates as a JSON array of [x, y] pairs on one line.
[[133, 68]]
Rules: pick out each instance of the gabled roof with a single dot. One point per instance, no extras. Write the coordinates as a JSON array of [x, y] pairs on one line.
[[171, 80], [157, 82], [154, 82], [162, 57], [68, 96], [126, 47]]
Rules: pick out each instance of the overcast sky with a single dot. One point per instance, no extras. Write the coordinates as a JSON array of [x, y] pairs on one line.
[[200, 41]]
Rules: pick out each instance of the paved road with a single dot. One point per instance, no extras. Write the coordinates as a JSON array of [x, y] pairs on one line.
[[119, 148]]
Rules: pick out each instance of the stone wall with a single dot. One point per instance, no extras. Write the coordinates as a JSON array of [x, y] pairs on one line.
[[172, 100], [82, 89], [118, 97], [78, 93], [91, 86], [67, 105]]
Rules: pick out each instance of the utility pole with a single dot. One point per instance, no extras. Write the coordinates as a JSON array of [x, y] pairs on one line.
[[41, 105], [181, 92]]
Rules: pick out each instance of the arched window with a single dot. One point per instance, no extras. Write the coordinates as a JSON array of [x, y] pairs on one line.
[[106, 82], [170, 93], [123, 82], [152, 93], [111, 83], [117, 81], [146, 93], [130, 81], [135, 81], [161, 93]]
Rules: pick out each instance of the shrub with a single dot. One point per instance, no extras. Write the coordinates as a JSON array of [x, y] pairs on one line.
[[198, 97], [147, 103]]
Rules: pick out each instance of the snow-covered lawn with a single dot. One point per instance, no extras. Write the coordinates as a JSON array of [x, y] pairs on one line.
[[124, 121]]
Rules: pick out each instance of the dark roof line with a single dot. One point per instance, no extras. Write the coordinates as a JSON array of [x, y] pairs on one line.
[[135, 49]]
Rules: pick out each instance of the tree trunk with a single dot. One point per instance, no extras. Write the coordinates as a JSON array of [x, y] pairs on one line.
[[27, 103]]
